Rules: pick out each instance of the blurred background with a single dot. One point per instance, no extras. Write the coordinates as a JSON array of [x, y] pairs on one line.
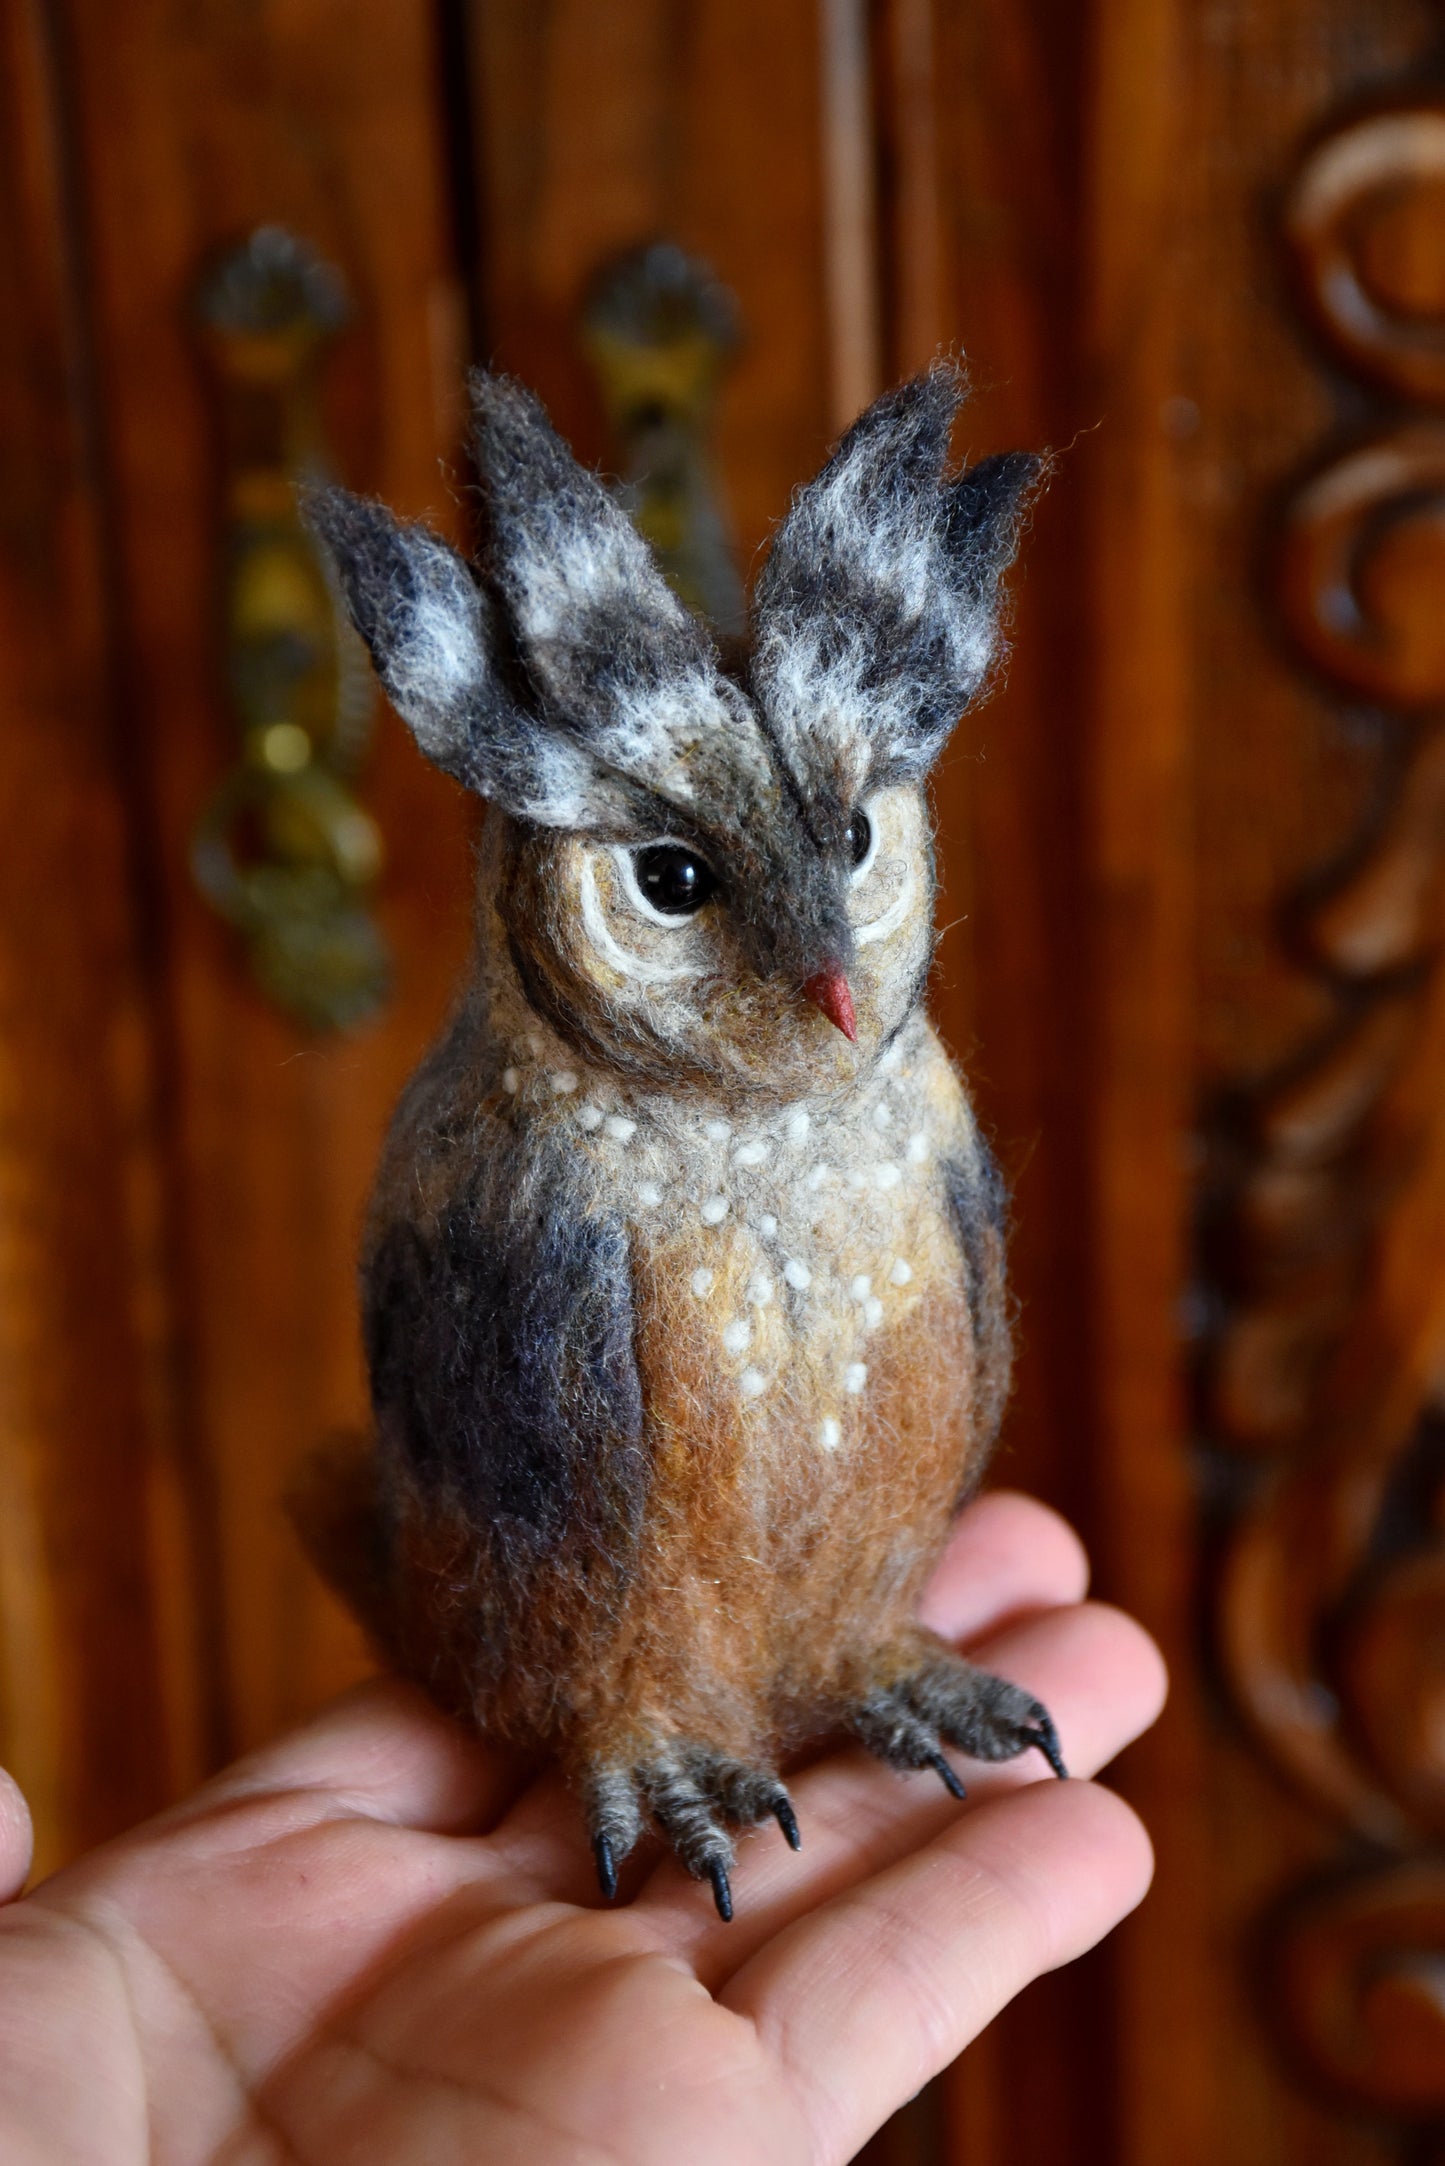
[[1192, 860]]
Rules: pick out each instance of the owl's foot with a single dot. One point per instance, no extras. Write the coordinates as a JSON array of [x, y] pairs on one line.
[[695, 1795], [946, 1701]]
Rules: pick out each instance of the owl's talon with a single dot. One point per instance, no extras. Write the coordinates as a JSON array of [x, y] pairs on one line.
[[722, 1893], [787, 1820], [947, 1777], [1045, 1737], [606, 1867]]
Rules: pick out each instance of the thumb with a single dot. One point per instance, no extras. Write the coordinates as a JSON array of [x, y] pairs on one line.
[[16, 1838]]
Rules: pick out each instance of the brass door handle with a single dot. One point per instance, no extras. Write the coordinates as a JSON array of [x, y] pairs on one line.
[[660, 329], [284, 850]]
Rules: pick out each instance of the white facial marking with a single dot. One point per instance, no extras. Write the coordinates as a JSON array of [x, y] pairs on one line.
[[797, 1274], [701, 1283], [886, 1175], [752, 1383], [589, 1116], [767, 1225], [830, 1436], [798, 1126], [618, 1126], [563, 1081], [889, 1058], [899, 1273], [649, 1194], [714, 1210], [738, 1335], [511, 1081], [917, 1148], [750, 1154], [855, 1376], [641, 969], [892, 917], [717, 1131]]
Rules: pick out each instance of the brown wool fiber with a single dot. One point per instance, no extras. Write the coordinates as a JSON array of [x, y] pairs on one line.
[[685, 1315]]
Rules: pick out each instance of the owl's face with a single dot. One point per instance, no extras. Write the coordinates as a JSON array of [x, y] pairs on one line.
[[638, 951], [700, 876]]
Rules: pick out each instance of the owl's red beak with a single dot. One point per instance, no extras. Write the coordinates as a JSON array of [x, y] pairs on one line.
[[828, 991]]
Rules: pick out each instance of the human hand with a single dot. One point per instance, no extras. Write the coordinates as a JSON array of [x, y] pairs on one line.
[[375, 1943]]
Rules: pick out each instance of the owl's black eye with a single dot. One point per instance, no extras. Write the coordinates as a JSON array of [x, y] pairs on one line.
[[673, 880], [858, 836]]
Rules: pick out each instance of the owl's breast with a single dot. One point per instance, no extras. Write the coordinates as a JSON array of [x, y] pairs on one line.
[[799, 1284]]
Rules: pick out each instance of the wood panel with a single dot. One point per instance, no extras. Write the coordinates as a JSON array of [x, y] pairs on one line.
[[600, 128], [102, 1647], [192, 129]]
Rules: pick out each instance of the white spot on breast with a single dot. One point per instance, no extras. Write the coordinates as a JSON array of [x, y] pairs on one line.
[[760, 1289], [817, 1175], [738, 1335], [590, 1116], [750, 1154], [701, 1283], [716, 1131], [796, 1272], [890, 1057], [798, 1126], [714, 1210], [899, 1273], [752, 1383], [510, 1080], [649, 1194], [887, 1175], [855, 1376], [882, 1114], [830, 1436], [767, 1225], [618, 1125], [873, 1312], [562, 1081], [857, 1179], [917, 1148], [861, 1287]]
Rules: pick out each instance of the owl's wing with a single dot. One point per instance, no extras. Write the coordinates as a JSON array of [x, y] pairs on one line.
[[978, 1206], [500, 1341]]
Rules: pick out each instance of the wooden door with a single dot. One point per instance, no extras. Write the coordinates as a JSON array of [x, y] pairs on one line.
[[1191, 856]]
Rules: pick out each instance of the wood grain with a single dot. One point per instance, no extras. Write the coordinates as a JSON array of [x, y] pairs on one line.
[[192, 131]]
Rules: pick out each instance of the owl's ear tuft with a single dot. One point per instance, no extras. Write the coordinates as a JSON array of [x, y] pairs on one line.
[[432, 634], [614, 660], [422, 616], [876, 618]]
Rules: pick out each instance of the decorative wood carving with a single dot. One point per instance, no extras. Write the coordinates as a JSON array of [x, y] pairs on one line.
[[1325, 1233]]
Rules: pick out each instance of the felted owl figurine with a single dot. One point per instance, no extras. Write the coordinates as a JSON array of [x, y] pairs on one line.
[[683, 1280]]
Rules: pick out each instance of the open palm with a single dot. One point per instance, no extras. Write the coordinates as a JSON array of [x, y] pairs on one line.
[[376, 1942]]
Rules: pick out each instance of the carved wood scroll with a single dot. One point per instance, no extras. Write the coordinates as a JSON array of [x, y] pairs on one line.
[[1326, 1241]]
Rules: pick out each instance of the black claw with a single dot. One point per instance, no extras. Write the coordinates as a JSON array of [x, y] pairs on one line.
[[946, 1776], [606, 1867], [722, 1894], [787, 1820], [1046, 1737]]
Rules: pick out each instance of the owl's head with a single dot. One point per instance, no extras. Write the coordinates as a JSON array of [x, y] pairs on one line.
[[722, 875]]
